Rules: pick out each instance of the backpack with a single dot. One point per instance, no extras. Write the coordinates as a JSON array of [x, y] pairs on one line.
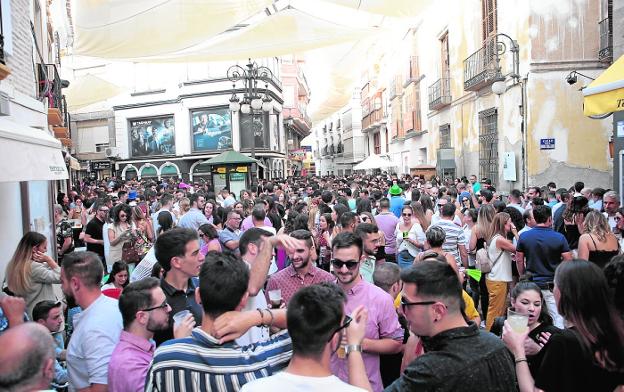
[[483, 261]]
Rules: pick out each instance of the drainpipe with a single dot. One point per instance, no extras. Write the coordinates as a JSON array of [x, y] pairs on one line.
[[523, 131]]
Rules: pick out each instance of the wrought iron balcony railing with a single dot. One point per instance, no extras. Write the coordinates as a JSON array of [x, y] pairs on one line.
[[440, 94], [481, 67], [605, 53]]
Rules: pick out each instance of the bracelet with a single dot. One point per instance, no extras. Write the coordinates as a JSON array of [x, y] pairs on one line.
[[272, 318], [261, 317], [518, 360]]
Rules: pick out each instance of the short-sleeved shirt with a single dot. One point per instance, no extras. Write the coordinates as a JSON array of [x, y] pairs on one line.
[[396, 205], [542, 248], [200, 363], [63, 231], [129, 363], [193, 219], [387, 222], [284, 381], [96, 333], [454, 238], [179, 300], [226, 235], [383, 322], [95, 228], [248, 223], [289, 281]]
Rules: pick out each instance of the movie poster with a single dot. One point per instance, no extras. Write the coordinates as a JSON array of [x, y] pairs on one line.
[[152, 136], [254, 128], [212, 129]]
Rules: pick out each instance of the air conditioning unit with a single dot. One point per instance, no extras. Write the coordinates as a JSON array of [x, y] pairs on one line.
[[111, 152]]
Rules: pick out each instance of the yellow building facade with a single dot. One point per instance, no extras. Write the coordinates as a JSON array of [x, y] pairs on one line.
[[442, 113]]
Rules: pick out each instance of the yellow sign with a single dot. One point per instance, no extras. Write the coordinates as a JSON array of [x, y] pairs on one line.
[[221, 170], [241, 169]]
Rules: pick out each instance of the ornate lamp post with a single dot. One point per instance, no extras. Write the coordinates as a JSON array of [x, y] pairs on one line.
[[255, 101]]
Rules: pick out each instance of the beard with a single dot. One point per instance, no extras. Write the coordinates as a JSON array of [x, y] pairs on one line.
[[154, 326], [304, 264]]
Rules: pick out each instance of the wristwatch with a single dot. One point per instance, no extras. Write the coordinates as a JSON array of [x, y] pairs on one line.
[[349, 348]]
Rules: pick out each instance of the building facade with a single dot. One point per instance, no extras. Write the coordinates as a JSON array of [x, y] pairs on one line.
[[175, 118], [339, 141], [33, 161], [297, 123], [531, 131]]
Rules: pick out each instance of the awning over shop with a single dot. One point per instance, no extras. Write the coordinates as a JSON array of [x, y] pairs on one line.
[[73, 163], [230, 157], [605, 94], [29, 154], [373, 162]]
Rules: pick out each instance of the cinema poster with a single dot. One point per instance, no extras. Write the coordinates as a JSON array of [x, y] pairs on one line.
[[211, 129], [152, 136]]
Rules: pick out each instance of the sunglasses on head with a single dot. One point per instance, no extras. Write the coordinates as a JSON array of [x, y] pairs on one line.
[[339, 263]]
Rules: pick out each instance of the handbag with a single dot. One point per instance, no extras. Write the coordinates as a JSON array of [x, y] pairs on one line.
[[483, 262], [129, 252]]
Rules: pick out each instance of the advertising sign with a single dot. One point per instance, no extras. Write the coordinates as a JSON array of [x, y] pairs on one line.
[[152, 136], [254, 128], [211, 129], [547, 144]]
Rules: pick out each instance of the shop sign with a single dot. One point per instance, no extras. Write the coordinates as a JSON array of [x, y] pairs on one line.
[[100, 165], [547, 144], [221, 170], [241, 169], [237, 177]]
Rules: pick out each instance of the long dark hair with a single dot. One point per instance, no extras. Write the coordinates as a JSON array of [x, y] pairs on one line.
[[118, 266], [525, 285], [165, 221], [585, 301]]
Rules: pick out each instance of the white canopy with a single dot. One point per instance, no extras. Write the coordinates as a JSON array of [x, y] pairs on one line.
[[118, 29], [29, 154], [373, 162], [89, 89]]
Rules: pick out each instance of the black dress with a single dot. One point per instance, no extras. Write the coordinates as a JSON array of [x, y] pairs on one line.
[[601, 257], [567, 367]]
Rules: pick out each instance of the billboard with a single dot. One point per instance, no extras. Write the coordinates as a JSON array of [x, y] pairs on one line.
[[211, 129], [254, 128], [152, 136]]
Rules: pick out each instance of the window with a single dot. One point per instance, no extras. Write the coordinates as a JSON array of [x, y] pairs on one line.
[[377, 143], [489, 20], [387, 141], [444, 45], [445, 136], [488, 144]]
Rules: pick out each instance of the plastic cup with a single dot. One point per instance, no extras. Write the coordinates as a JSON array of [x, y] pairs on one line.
[[275, 297], [180, 316], [517, 321]]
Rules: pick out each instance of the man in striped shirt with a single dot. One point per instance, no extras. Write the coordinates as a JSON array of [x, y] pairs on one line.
[[455, 242], [203, 361]]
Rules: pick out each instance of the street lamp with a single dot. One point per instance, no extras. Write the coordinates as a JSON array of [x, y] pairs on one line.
[[255, 101]]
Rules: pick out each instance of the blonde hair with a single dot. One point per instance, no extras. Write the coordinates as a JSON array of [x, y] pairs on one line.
[[19, 269], [595, 223], [419, 212], [484, 220], [498, 225], [185, 205]]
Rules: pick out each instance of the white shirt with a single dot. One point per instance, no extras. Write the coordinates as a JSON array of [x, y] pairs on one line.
[[96, 333], [254, 334], [155, 224], [435, 218], [285, 381], [107, 244], [501, 270]]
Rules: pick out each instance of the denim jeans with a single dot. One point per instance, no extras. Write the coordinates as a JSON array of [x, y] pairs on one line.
[[405, 259]]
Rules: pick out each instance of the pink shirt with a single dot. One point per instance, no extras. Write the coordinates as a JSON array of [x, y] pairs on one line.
[[383, 322], [290, 282], [129, 363], [248, 223]]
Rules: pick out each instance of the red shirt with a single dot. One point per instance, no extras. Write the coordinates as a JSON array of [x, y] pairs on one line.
[[289, 281]]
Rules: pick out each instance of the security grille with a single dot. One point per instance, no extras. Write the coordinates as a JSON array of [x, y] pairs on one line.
[[488, 144]]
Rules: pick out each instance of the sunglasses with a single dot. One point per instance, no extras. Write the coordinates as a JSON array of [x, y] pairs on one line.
[[351, 264], [407, 214], [405, 303], [164, 305], [345, 324]]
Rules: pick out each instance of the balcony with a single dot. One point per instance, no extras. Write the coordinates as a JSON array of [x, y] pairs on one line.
[[396, 88], [373, 120], [50, 87], [440, 94], [411, 73], [481, 68], [605, 52]]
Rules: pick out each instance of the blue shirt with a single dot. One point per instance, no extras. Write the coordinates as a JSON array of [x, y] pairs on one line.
[[542, 248], [192, 219], [200, 363], [396, 205]]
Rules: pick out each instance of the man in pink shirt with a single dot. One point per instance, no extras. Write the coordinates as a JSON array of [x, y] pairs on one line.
[[387, 223], [384, 334], [248, 222], [144, 310]]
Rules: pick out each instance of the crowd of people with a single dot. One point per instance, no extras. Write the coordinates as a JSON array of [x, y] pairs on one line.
[[382, 282]]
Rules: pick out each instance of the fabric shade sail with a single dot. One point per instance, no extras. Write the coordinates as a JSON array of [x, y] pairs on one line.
[[373, 161], [29, 154], [118, 29], [394, 8], [605, 94], [285, 32], [89, 89]]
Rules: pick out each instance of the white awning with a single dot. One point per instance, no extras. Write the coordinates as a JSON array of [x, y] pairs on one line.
[[29, 154], [373, 162]]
